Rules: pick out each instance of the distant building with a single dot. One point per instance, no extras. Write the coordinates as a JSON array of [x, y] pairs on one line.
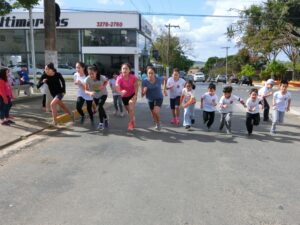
[[106, 38]]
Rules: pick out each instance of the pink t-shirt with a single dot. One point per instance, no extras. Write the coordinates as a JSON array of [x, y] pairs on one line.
[[127, 85]]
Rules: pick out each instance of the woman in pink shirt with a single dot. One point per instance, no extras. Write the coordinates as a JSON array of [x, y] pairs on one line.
[[6, 97], [127, 85]]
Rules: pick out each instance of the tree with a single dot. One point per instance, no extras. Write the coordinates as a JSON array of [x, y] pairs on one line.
[[177, 57], [274, 70], [6, 7], [247, 70]]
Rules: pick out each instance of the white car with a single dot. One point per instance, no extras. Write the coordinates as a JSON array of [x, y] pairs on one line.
[[199, 77], [66, 70]]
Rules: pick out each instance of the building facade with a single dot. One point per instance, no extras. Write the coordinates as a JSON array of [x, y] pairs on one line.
[[106, 38]]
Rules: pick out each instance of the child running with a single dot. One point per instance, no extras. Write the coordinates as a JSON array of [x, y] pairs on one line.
[[281, 104], [151, 87], [95, 86], [188, 101], [209, 102], [175, 84], [57, 87], [226, 108], [252, 104], [265, 92], [79, 80], [127, 85], [117, 98], [6, 97]]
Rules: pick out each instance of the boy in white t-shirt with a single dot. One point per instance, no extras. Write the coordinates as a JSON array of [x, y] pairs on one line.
[[281, 104], [175, 84], [252, 104], [226, 108], [209, 102]]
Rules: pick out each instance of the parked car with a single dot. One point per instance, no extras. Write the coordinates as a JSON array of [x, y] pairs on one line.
[[189, 77], [65, 69], [234, 79], [15, 68], [210, 79], [182, 74], [246, 80], [221, 78], [199, 77]]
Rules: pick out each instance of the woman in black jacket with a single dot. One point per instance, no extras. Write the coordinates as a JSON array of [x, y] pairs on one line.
[[57, 88]]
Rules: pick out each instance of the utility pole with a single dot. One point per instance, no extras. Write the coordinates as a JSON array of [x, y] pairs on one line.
[[226, 60], [50, 32], [168, 49], [32, 49]]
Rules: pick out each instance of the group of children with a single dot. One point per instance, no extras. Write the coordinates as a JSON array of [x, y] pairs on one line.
[[209, 101]]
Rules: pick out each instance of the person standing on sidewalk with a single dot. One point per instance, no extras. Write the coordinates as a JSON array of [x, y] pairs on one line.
[[127, 85], [117, 98], [57, 87], [79, 80], [281, 103], [151, 87], [252, 116], [265, 92], [209, 101], [95, 86], [175, 84], [6, 97]]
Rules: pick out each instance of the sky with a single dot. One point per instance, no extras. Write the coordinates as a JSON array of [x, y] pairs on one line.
[[205, 34]]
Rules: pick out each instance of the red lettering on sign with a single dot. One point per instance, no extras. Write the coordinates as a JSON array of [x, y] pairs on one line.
[[109, 24]]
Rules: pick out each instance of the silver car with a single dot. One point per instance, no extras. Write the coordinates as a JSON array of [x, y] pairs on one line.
[[199, 77]]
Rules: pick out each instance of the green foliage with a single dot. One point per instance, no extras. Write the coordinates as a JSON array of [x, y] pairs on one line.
[[273, 69], [247, 70], [6, 7], [176, 55]]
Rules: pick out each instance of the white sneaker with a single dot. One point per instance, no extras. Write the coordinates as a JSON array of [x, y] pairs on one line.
[[122, 114], [100, 126]]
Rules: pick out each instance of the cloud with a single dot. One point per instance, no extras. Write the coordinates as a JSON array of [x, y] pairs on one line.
[[113, 2], [207, 39]]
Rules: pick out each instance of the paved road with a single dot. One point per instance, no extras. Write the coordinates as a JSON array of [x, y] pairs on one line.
[[79, 176]]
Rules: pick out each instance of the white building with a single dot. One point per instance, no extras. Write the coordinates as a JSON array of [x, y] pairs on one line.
[[106, 38]]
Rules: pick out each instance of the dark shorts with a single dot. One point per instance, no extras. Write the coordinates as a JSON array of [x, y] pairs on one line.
[[126, 100], [156, 102], [174, 102], [59, 96]]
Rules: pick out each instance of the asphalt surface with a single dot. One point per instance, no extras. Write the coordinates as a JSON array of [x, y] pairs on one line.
[[78, 175]]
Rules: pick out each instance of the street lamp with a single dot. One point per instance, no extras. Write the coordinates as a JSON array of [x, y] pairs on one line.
[[168, 49], [226, 59]]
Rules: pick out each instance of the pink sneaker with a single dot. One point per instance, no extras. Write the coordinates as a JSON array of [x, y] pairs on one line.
[[177, 121], [130, 126], [173, 121]]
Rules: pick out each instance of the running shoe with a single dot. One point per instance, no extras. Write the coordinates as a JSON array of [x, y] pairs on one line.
[[130, 126], [158, 127], [100, 126], [5, 123], [173, 121], [177, 121], [11, 122]]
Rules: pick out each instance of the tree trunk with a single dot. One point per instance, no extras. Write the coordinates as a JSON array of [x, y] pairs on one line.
[[50, 32]]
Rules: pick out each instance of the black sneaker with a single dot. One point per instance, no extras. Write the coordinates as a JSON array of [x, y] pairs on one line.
[[5, 123], [187, 127], [192, 121], [11, 122]]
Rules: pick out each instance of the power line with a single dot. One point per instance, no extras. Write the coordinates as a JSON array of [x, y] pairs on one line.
[[134, 5]]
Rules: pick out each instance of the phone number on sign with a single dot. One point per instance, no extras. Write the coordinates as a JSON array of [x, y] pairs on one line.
[[109, 24]]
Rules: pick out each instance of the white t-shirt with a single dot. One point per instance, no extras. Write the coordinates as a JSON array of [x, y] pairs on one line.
[[253, 105], [228, 102], [264, 91], [281, 101], [175, 87], [209, 102], [112, 84], [81, 92], [187, 95]]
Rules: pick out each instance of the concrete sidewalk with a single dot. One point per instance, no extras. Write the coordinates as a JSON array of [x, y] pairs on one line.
[[31, 119]]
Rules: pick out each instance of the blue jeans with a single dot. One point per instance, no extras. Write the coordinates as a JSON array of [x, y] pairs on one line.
[[277, 118], [4, 108], [188, 115]]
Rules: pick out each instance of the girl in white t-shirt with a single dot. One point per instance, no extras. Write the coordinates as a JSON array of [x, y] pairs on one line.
[[188, 101], [79, 80], [252, 105], [175, 85]]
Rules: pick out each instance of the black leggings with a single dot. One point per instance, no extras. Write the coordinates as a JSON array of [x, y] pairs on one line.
[[100, 102], [79, 104], [252, 119]]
